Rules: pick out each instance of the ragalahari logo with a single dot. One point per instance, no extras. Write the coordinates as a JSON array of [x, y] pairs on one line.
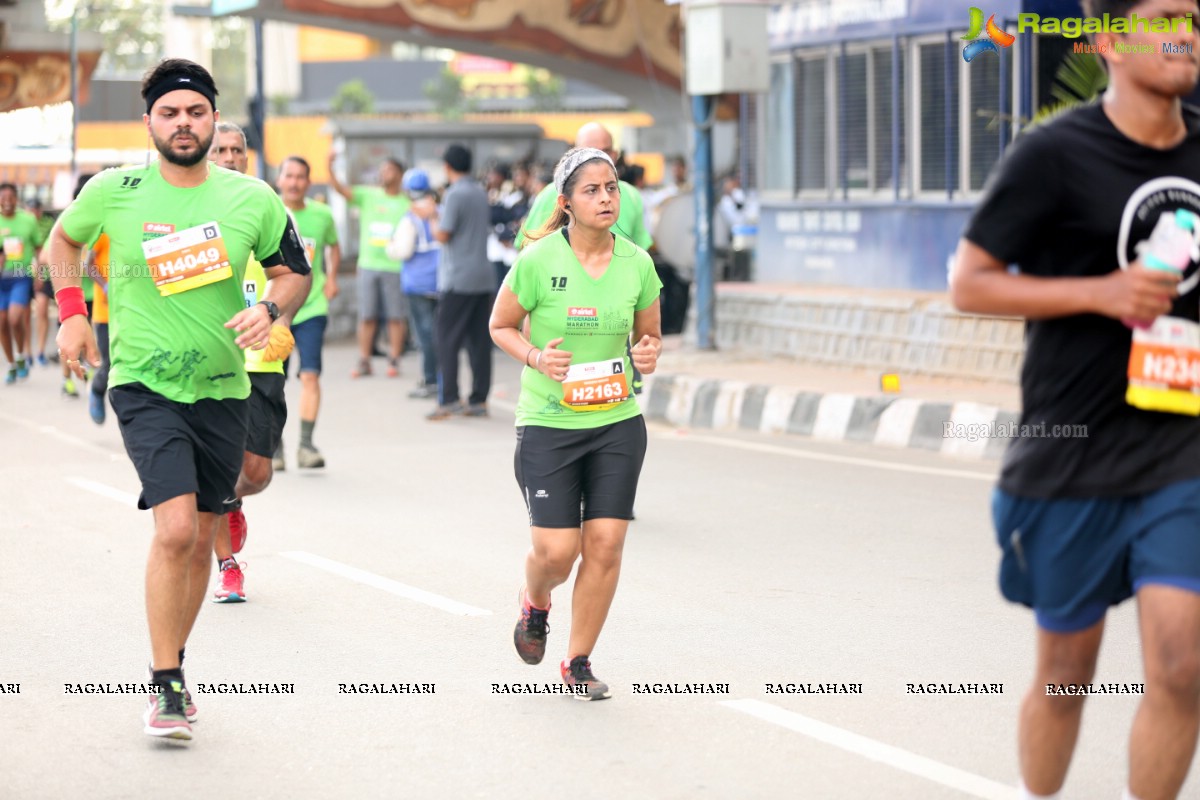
[[996, 36]]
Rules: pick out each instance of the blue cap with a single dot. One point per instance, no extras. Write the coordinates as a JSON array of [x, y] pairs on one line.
[[415, 181]]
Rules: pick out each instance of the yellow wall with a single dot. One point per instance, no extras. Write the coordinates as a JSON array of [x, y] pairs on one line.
[[322, 44]]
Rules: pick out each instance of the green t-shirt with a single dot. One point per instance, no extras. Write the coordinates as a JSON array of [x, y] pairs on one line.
[[593, 315], [177, 344], [315, 225], [631, 220], [379, 213], [21, 237]]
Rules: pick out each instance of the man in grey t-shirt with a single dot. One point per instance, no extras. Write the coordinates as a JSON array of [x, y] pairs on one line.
[[466, 287]]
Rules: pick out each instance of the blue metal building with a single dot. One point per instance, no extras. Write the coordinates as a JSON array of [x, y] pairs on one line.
[[876, 136]]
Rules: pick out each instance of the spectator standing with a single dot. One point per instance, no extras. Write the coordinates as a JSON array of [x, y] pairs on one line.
[[466, 287]]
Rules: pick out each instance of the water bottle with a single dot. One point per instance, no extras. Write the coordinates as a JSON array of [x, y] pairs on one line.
[[1171, 247]]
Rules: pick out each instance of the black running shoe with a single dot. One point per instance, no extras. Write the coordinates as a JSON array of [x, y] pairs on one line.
[[530, 633], [578, 673]]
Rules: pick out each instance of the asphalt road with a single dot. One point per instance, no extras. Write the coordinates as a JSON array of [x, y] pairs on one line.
[[753, 561]]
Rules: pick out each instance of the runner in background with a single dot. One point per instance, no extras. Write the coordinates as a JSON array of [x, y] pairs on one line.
[[21, 238], [267, 405], [315, 223], [581, 438], [43, 290]]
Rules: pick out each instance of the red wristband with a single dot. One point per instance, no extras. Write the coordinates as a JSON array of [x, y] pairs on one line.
[[70, 302]]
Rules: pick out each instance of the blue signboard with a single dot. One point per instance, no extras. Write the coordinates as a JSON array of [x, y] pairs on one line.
[[876, 246]]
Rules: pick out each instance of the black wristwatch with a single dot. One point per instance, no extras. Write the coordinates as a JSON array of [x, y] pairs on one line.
[[272, 309]]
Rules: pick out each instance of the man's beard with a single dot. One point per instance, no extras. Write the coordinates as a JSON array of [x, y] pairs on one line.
[[201, 153]]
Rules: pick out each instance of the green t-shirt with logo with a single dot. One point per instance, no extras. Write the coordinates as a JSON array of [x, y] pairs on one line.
[[379, 213], [593, 315], [21, 237], [316, 227], [631, 218], [176, 344]]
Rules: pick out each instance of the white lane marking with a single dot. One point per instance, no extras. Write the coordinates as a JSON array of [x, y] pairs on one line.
[[124, 498], [387, 584], [903, 760], [50, 430], [827, 457]]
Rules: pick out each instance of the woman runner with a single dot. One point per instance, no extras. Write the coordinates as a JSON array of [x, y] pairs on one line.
[[580, 435]]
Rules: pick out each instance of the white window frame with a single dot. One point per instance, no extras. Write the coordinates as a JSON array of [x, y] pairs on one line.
[[917, 190], [766, 129], [964, 119]]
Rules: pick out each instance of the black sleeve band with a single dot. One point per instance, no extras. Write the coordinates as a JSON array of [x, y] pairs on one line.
[[290, 253]]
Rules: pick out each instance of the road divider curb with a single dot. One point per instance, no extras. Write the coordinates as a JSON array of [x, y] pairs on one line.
[[964, 430]]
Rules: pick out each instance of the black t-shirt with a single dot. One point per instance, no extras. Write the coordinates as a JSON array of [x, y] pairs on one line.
[[1074, 199]]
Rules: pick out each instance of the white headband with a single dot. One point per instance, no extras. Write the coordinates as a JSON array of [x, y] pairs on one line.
[[571, 162]]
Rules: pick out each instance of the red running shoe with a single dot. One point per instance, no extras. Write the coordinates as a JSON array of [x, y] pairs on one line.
[[237, 530]]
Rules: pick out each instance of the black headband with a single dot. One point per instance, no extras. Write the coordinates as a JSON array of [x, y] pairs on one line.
[[177, 81]]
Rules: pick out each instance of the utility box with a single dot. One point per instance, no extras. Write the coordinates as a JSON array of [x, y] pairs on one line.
[[727, 47]]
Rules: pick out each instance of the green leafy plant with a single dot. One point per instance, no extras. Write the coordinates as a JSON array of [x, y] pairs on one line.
[[1080, 79], [446, 93], [352, 97]]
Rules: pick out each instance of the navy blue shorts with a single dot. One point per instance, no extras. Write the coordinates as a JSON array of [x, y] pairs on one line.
[[1071, 559], [310, 338], [15, 292]]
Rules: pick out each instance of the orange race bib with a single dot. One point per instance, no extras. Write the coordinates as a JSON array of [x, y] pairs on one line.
[[595, 386], [187, 259], [310, 249], [1164, 367]]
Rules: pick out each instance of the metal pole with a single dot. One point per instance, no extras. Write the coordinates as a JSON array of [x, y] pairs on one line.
[[74, 89], [702, 117], [260, 108]]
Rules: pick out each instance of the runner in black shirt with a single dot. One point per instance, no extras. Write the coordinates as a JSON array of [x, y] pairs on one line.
[[1099, 494]]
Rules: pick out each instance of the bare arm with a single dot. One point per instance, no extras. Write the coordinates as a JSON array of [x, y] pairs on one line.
[[981, 284], [508, 317], [286, 289], [339, 187], [333, 262], [647, 337], [75, 339]]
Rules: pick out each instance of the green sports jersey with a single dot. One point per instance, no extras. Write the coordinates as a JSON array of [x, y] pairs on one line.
[[594, 316], [380, 212], [315, 225], [631, 219], [177, 260], [21, 237]]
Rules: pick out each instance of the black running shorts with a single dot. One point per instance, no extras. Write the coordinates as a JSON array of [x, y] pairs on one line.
[[268, 413], [182, 448], [568, 476]]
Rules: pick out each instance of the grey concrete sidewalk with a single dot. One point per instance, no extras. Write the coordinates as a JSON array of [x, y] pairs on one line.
[[734, 390]]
